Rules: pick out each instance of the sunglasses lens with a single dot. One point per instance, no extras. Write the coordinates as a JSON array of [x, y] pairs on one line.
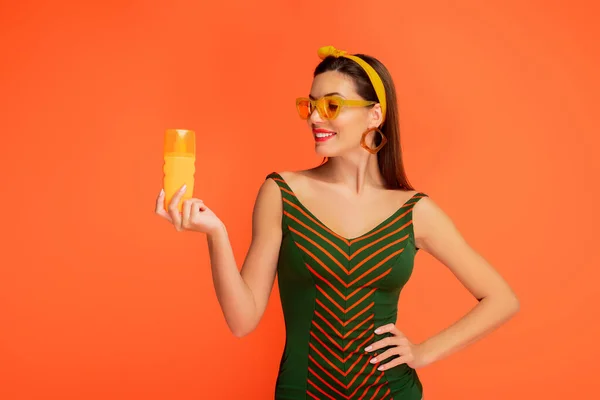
[[331, 108], [328, 107], [303, 107]]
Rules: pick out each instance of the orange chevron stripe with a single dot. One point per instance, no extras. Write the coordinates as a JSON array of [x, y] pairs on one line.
[[327, 347], [330, 312], [329, 323], [379, 264], [332, 340], [312, 346], [370, 282], [342, 309], [358, 349], [362, 384], [311, 358], [348, 285], [322, 264], [318, 314], [344, 324], [359, 300], [364, 321], [318, 223], [377, 391], [389, 223], [342, 252], [361, 334], [320, 390], [387, 246], [312, 371], [326, 384], [330, 299], [364, 310], [361, 370], [336, 355], [288, 191], [335, 260], [364, 342], [336, 317], [311, 395], [326, 281], [358, 251], [344, 374], [369, 387]]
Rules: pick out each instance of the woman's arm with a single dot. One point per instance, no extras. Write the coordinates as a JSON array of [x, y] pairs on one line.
[[436, 234], [243, 295]]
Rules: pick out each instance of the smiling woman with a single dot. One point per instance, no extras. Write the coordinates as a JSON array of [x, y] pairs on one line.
[[342, 239]]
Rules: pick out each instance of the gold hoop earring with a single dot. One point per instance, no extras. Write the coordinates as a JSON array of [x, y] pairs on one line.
[[369, 149]]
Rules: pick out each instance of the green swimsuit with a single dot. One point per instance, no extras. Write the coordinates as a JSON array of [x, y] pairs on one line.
[[334, 293]]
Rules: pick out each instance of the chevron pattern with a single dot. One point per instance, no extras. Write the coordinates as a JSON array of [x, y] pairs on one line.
[[348, 274]]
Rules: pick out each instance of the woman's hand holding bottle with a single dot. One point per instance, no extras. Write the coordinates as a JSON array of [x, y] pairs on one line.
[[194, 215]]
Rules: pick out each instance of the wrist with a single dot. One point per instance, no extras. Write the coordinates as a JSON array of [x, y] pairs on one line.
[[218, 230], [428, 352]]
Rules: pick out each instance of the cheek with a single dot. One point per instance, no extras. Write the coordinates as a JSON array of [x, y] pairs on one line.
[[349, 126]]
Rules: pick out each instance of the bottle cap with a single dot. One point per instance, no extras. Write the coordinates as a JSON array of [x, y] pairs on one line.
[[180, 142]]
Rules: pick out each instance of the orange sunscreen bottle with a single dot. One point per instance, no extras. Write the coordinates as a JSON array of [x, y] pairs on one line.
[[179, 166]]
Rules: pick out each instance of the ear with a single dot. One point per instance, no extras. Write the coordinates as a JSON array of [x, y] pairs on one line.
[[375, 116]]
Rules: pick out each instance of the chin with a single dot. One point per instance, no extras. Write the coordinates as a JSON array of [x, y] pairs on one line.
[[331, 151], [326, 151]]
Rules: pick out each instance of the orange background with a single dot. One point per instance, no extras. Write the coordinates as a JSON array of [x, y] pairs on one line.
[[100, 299]]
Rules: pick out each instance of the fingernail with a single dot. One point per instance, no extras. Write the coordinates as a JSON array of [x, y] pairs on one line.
[[377, 330], [368, 348], [162, 191], [373, 360], [183, 188], [381, 368]]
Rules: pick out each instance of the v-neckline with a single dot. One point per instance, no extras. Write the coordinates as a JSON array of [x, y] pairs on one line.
[[348, 240]]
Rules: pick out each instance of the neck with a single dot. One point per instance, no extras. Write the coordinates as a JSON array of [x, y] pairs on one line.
[[357, 171]]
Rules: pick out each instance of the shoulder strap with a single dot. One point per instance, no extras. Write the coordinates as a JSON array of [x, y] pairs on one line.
[[279, 180], [287, 195], [416, 197]]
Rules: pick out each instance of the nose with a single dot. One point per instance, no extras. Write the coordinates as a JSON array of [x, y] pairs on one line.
[[315, 117]]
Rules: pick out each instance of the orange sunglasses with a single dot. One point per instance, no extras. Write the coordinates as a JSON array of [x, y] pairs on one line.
[[328, 107]]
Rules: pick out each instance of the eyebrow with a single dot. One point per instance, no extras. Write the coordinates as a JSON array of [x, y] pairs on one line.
[[327, 94]]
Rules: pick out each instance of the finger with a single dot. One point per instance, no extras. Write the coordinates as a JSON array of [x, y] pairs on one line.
[[380, 344], [177, 197], [197, 206], [160, 206], [389, 328], [174, 210], [405, 359], [385, 355], [186, 210], [160, 201]]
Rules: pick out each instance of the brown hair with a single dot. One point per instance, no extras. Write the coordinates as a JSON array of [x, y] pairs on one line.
[[389, 157]]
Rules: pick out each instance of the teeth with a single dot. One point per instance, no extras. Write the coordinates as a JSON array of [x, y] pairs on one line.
[[322, 135]]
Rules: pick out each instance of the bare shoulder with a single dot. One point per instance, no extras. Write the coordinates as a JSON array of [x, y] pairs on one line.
[[288, 175], [398, 197], [300, 179], [431, 224], [268, 200], [268, 208]]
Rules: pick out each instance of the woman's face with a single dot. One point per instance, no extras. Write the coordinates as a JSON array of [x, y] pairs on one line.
[[343, 134]]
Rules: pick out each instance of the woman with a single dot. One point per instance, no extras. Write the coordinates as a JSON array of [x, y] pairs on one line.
[[342, 238]]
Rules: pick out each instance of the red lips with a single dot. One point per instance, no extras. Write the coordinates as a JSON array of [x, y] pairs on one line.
[[323, 138]]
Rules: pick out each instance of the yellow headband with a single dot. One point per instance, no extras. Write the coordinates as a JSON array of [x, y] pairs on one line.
[[373, 75]]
